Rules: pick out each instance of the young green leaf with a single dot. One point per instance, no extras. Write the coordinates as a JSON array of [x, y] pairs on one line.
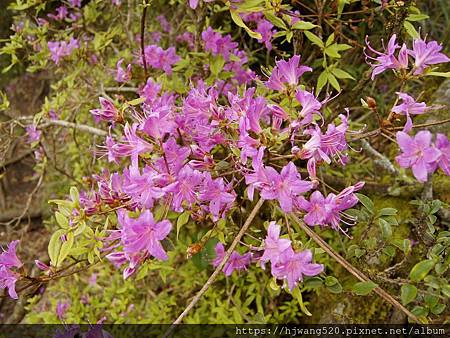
[[314, 39], [420, 270], [408, 293], [364, 288]]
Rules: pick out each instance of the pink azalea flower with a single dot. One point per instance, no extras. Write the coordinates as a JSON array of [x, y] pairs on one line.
[[123, 75], [186, 187], [409, 107], [284, 186], [8, 280], [310, 106], [61, 309], [329, 210], [131, 145], [264, 28], [142, 187], [292, 266], [143, 234], [8, 257], [165, 25], [60, 49], [442, 143], [33, 133], [274, 246], [61, 13], [107, 112], [417, 153], [218, 44], [219, 196], [236, 261], [286, 72], [384, 60], [425, 54], [194, 3], [75, 3]]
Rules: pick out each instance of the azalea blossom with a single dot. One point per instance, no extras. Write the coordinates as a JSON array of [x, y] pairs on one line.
[[330, 210], [292, 266], [8, 257], [385, 60], [409, 107], [33, 133], [274, 246], [8, 280], [236, 262], [264, 27], [417, 153], [60, 49], [107, 112], [144, 234], [443, 144], [123, 75], [286, 73], [426, 54]]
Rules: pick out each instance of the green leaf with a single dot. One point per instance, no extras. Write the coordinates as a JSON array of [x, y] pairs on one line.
[[137, 101], [289, 36], [341, 74], [411, 30], [387, 212], [366, 201], [65, 248], [330, 40], [61, 220], [386, 229], [298, 295], [332, 52], [238, 21], [216, 65], [314, 39], [333, 284], [333, 81], [275, 20], [321, 81], [408, 293], [74, 195], [417, 17], [420, 311], [303, 25], [421, 269], [364, 288], [438, 309], [312, 282], [182, 220], [341, 4], [54, 246]]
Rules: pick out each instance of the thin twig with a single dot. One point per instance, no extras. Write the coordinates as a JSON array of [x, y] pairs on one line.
[[218, 269], [144, 61], [82, 127], [121, 89], [350, 268]]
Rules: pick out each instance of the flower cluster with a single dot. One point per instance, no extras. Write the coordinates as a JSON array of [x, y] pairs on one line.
[[176, 150], [160, 58], [286, 263], [60, 49], [424, 54], [8, 277]]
